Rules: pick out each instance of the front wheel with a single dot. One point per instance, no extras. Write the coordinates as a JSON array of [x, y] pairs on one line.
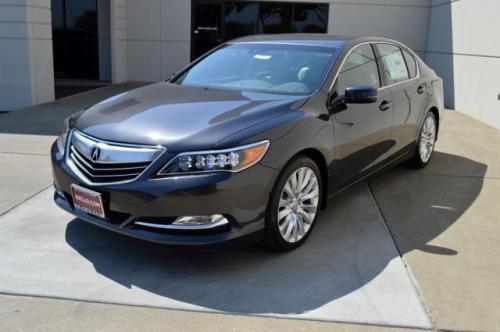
[[425, 143], [293, 206]]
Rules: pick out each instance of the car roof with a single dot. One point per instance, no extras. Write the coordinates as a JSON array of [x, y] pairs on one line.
[[310, 39]]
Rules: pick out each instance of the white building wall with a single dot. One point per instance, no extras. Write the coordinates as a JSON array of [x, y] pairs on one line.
[[118, 24], [26, 67], [150, 39], [464, 48], [402, 20], [104, 34], [159, 31], [158, 38]]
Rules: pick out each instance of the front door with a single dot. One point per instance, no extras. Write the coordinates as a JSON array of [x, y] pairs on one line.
[[362, 131], [206, 30]]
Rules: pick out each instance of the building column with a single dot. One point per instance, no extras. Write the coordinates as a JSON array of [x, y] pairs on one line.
[[26, 60], [118, 40]]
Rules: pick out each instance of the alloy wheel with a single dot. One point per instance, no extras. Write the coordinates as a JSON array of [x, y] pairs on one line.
[[427, 139], [298, 204]]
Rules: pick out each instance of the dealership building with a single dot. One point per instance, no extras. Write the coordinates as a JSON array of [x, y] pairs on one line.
[[43, 42]]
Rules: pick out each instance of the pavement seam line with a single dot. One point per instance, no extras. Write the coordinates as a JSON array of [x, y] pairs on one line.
[[26, 153], [24, 201], [224, 313], [407, 267], [455, 176]]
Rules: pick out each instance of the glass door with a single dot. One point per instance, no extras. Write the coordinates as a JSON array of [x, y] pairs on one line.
[[206, 29], [75, 39]]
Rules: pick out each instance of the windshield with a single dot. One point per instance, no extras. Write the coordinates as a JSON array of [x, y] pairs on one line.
[[272, 68]]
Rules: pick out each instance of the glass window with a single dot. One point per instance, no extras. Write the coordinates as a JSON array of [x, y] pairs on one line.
[[360, 67], [283, 69], [274, 17], [81, 15], [411, 64], [394, 63], [310, 18], [216, 21], [241, 19], [57, 14]]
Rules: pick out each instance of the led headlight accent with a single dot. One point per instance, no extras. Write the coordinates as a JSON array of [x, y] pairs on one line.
[[228, 160]]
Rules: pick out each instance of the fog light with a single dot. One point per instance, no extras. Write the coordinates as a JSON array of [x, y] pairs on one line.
[[200, 220], [189, 223]]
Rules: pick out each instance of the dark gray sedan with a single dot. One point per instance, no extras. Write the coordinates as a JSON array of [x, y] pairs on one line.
[[251, 138]]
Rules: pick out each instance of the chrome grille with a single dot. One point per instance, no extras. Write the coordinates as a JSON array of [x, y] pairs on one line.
[[112, 162]]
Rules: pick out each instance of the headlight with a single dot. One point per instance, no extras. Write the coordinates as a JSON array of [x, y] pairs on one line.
[[228, 160], [61, 140]]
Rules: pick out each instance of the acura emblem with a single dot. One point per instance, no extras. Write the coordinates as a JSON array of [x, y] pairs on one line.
[[95, 153]]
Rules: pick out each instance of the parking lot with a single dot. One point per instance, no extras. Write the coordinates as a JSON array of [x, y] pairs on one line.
[[408, 249]]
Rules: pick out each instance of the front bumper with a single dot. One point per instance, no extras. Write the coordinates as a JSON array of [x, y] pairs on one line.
[[240, 197]]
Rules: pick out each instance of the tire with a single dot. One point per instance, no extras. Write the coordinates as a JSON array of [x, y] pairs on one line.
[[427, 135], [298, 209]]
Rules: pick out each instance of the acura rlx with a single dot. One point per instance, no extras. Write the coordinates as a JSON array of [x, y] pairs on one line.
[[251, 138]]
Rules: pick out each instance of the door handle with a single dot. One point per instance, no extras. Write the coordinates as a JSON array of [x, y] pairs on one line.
[[385, 105], [421, 89]]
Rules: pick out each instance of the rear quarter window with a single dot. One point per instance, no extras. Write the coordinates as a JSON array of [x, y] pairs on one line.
[[393, 62], [411, 63]]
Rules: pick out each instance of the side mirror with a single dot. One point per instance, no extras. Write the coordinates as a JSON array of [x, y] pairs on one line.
[[360, 94]]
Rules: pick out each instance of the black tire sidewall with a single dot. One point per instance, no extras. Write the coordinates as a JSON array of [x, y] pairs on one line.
[[273, 235]]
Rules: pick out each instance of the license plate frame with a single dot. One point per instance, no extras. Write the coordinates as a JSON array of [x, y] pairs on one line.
[[88, 201]]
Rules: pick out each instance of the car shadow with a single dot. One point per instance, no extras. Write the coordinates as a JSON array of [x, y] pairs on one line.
[[48, 119], [348, 248], [419, 205]]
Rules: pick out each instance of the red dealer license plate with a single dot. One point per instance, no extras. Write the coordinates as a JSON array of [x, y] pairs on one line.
[[87, 200]]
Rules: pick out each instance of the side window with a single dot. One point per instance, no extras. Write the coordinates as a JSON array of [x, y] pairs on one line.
[[394, 63], [360, 67], [411, 64]]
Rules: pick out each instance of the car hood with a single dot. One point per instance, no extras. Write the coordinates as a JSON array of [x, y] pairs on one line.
[[181, 117]]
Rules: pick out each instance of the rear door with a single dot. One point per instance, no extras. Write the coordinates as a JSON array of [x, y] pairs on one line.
[[401, 77], [362, 131]]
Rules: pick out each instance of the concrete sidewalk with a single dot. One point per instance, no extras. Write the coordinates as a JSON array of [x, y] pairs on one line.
[[25, 139], [42, 314], [444, 220]]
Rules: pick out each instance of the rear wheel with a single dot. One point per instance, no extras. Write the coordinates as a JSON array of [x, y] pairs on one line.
[[426, 142], [294, 205]]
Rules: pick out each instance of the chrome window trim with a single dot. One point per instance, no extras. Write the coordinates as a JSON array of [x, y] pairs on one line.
[[403, 48], [375, 43], [71, 164]]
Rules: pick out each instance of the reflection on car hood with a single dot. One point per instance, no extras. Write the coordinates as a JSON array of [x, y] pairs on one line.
[[181, 117]]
